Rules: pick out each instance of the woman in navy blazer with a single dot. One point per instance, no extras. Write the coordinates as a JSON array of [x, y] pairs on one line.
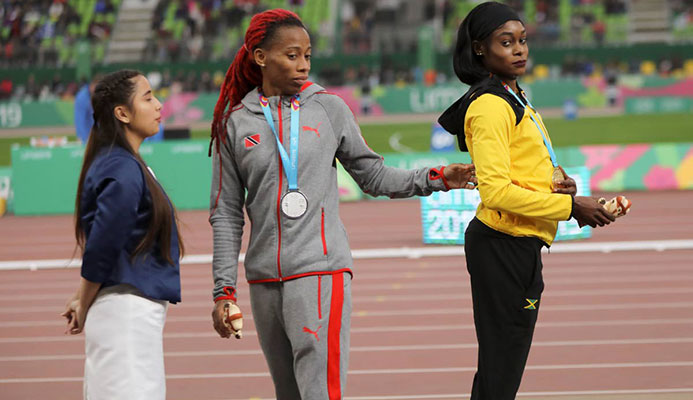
[[126, 228]]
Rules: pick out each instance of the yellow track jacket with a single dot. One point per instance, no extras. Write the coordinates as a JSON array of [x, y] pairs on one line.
[[514, 171]]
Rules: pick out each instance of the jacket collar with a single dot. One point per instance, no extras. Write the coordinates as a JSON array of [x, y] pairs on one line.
[[452, 119], [251, 101]]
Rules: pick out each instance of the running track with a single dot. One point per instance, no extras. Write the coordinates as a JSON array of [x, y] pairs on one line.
[[615, 325]]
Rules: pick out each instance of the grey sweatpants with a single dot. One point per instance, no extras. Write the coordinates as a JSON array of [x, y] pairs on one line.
[[303, 327]]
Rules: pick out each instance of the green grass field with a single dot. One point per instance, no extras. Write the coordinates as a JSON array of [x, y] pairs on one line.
[[624, 129], [584, 131], [6, 146]]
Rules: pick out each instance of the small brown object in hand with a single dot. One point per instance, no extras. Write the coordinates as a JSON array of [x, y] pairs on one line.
[[618, 206], [233, 319]]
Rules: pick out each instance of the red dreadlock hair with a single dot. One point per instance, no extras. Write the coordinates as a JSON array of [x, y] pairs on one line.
[[244, 74]]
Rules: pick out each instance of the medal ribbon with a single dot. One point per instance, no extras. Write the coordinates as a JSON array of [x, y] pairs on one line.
[[531, 115], [290, 163]]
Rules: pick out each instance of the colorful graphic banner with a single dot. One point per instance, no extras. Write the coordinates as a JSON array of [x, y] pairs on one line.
[[44, 180], [445, 215], [616, 168], [612, 168]]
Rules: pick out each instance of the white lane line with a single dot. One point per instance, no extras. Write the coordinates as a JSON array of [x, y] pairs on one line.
[[423, 311], [405, 252], [608, 392], [385, 371], [520, 394], [400, 281], [382, 329], [370, 349], [446, 297], [429, 328], [652, 305], [198, 279], [357, 289], [524, 394], [357, 313], [198, 275]]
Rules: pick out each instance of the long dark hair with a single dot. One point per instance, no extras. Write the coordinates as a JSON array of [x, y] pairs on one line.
[[244, 74], [476, 27], [117, 89]]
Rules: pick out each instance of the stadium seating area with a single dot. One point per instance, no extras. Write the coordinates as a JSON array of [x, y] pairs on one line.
[[50, 32], [551, 22], [213, 29]]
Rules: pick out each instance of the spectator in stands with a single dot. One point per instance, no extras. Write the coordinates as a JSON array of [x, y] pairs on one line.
[[32, 88], [615, 6], [5, 89], [192, 83], [598, 31], [206, 84], [612, 92], [195, 43], [298, 264]]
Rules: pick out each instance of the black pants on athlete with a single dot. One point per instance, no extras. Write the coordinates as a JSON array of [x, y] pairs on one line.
[[506, 283]]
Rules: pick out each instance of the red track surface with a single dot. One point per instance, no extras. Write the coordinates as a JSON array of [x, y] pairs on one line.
[[609, 322]]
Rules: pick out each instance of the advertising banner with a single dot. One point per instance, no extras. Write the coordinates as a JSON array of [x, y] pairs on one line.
[[639, 95], [658, 105], [35, 114], [44, 180]]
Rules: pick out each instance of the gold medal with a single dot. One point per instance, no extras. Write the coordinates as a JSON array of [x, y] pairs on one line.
[[556, 177]]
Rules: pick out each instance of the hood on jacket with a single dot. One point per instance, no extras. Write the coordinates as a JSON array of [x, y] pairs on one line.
[[251, 101], [452, 119]]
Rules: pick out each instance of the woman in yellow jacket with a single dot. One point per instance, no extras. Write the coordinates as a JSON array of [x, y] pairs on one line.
[[524, 193]]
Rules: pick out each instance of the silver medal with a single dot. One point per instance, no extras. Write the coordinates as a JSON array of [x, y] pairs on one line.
[[294, 204]]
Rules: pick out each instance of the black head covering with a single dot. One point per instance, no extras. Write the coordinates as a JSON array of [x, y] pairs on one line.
[[487, 17], [479, 23]]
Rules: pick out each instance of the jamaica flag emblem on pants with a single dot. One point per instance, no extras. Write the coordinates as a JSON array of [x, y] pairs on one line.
[[532, 304]]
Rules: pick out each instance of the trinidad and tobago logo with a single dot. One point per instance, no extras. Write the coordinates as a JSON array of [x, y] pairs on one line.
[[295, 103], [264, 101], [252, 141]]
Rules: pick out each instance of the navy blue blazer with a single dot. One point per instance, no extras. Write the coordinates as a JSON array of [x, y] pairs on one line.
[[115, 212]]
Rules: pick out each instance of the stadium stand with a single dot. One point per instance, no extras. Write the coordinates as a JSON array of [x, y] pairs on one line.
[[362, 43], [47, 32], [213, 30]]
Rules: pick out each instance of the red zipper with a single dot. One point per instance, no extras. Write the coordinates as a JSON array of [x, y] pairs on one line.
[[322, 231], [319, 297], [279, 192]]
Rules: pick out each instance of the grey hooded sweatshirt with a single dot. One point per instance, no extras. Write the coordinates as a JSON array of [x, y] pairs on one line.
[[316, 243]]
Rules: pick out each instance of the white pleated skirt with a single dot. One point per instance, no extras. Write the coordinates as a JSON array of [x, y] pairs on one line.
[[124, 346]]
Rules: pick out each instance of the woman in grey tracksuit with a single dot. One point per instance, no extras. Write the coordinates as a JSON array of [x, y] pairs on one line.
[[298, 262]]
